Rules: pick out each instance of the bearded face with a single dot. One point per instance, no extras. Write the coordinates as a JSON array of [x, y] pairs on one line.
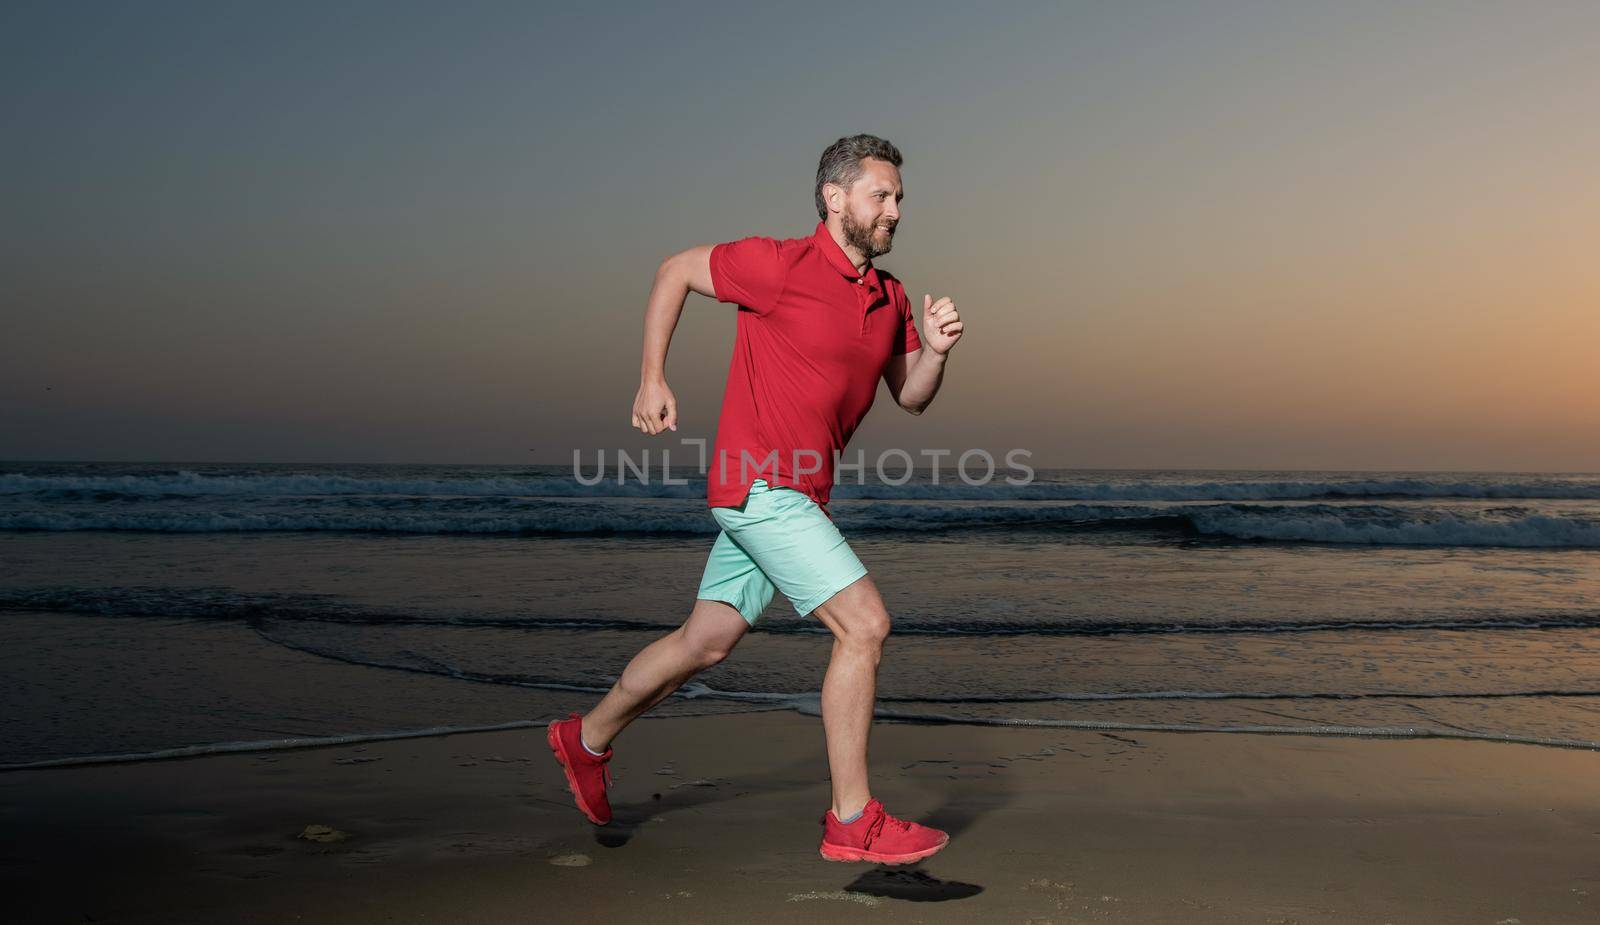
[[873, 236], [871, 208]]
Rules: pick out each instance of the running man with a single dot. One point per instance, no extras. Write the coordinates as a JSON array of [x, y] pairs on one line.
[[818, 326]]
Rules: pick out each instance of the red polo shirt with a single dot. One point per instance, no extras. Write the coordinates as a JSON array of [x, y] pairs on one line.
[[812, 341]]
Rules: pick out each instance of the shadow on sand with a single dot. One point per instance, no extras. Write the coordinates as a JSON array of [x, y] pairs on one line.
[[966, 799]]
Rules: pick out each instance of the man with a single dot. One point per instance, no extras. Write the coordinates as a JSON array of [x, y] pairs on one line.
[[818, 326]]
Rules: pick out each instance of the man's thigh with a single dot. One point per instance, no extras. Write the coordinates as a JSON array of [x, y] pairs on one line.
[[857, 610], [733, 578], [794, 544]]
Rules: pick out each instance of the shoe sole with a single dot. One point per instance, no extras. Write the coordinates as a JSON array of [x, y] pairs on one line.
[[560, 752], [846, 855]]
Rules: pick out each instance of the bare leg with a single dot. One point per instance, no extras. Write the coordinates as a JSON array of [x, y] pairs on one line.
[[860, 623], [660, 668]]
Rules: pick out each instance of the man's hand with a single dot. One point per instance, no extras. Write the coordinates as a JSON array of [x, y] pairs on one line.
[[941, 325], [655, 408]]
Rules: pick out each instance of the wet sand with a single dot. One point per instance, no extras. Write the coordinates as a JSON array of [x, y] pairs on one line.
[[717, 821]]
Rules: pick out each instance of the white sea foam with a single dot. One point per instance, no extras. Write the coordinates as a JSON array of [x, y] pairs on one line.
[[810, 705]]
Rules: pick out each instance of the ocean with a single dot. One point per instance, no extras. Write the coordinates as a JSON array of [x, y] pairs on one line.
[[183, 608]]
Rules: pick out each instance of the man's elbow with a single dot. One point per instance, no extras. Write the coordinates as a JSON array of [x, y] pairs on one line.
[[690, 269], [670, 265], [912, 408]]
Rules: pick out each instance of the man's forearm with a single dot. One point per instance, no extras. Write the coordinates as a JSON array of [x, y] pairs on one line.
[[922, 381], [661, 315]]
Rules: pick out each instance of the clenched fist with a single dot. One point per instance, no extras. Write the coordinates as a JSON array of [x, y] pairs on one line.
[[655, 408], [941, 324]]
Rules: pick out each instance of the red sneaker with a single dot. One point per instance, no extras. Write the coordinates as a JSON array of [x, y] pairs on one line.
[[878, 836], [587, 776]]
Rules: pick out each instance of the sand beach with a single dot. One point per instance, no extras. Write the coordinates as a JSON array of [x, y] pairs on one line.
[[716, 821]]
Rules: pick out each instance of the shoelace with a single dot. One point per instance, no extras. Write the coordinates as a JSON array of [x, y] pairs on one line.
[[876, 827]]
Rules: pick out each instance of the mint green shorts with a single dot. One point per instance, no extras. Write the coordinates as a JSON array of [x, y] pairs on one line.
[[778, 540]]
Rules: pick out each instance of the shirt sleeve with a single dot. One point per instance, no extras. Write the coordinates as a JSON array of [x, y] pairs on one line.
[[905, 338], [748, 272]]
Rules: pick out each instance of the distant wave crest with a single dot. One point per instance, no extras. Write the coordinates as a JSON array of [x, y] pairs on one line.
[[1309, 523], [189, 483], [1335, 525]]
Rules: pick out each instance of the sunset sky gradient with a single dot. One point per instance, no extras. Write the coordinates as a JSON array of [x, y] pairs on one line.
[[1236, 235]]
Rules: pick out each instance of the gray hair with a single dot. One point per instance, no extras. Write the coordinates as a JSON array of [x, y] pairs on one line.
[[841, 163]]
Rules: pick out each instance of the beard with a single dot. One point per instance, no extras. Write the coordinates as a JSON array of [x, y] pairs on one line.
[[865, 238]]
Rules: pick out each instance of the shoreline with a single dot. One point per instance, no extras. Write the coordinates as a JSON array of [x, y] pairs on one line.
[[881, 717], [717, 820]]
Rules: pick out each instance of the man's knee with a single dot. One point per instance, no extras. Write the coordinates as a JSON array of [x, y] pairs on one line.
[[707, 649], [708, 653], [857, 616], [868, 628], [713, 629]]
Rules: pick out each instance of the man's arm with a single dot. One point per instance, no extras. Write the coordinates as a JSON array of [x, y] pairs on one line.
[[655, 408], [914, 378], [694, 265]]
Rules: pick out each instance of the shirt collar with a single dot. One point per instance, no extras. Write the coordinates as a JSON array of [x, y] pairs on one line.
[[836, 258]]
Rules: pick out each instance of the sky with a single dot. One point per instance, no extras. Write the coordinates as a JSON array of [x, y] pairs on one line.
[[1181, 235]]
